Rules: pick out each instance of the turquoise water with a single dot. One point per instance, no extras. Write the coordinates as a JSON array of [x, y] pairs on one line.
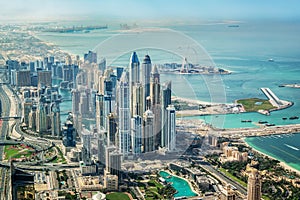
[[65, 106], [285, 148], [183, 188]]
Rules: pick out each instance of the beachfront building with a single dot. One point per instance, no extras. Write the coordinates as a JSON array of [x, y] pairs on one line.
[[254, 185]]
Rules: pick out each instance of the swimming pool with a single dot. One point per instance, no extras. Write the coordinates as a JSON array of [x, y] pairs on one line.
[[182, 186]]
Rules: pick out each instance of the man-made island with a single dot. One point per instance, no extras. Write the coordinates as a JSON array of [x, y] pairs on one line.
[[290, 85], [189, 68], [188, 107], [75, 29]]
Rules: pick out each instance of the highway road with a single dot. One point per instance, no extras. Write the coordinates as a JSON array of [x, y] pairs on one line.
[[219, 175], [5, 102]]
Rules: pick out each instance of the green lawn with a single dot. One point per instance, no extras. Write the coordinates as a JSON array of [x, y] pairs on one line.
[[10, 152], [60, 157], [154, 183], [266, 197], [152, 190], [251, 106], [117, 196], [233, 177], [17, 152]]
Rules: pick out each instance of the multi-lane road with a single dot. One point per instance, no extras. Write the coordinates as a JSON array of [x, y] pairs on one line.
[[5, 102]]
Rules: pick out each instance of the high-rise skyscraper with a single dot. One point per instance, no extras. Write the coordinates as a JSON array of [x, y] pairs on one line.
[[100, 119], [44, 78], [106, 109], [113, 161], [137, 100], [101, 142], [68, 133], [155, 86], [84, 104], [166, 101], [148, 130], [32, 118], [156, 104], [136, 134], [86, 149], [23, 78], [55, 119], [134, 77], [171, 129], [145, 77], [41, 119], [90, 57], [27, 106], [134, 69], [124, 114], [111, 129], [254, 185]]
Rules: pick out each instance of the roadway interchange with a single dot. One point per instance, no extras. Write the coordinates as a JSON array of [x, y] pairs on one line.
[[10, 124], [20, 137]]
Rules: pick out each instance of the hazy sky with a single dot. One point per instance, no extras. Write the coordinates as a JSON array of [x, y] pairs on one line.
[[150, 9]]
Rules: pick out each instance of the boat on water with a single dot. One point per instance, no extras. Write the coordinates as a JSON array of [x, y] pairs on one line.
[[292, 147], [262, 122], [294, 117], [233, 26], [248, 120], [270, 124], [271, 60], [284, 118]]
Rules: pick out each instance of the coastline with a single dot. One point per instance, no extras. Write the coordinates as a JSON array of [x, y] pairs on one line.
[[282, 164], [192, 101]]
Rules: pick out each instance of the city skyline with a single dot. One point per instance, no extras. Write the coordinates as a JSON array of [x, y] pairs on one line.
[[205, 106]]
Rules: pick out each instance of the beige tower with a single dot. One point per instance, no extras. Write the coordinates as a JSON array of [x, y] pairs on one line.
[[254, 185]]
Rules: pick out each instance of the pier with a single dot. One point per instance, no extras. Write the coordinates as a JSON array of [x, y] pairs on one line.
[[274, 100]]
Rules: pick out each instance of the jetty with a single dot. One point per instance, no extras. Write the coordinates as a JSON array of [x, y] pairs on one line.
[[274, 100]]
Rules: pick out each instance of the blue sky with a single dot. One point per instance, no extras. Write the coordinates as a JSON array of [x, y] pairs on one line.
[[150, 9]]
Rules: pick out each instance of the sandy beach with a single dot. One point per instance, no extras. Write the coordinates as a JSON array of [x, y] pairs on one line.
[[284, 165], [192, 101]]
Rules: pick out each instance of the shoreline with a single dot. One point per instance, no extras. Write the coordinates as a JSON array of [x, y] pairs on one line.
[[281, 163], [192, 101]]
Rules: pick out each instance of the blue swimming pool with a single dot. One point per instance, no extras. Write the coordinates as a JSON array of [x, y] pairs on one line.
[[182, 186]]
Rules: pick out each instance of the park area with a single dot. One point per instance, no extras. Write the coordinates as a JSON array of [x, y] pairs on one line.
[[255, 104], [117, 196], [19, 152]]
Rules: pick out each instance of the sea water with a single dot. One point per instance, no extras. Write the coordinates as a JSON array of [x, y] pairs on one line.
[[284, 147], [244, 50]]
